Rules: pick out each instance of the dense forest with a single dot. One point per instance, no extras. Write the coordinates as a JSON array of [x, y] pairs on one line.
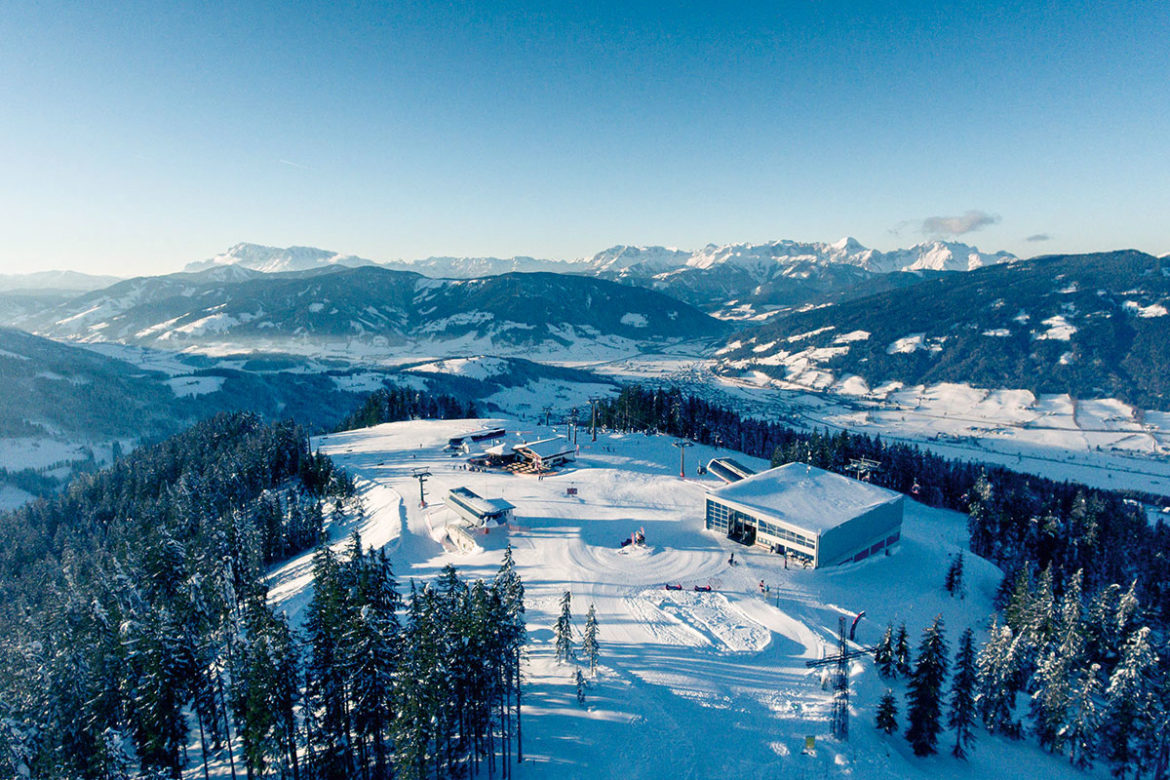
[[134, 624], [392, 404]]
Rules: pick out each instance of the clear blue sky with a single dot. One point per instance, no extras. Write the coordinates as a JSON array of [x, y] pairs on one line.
[[135, 137]]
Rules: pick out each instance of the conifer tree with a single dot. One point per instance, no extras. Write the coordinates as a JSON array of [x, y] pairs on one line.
[[1084, 719], [924, 712], [1128, 703], [510, 590], [589, 645], [961, 718], [996, 671], [887, 713], [902, 653], [883, 653], [954, 578], [580, 679], [1052, 682], [564, 629]]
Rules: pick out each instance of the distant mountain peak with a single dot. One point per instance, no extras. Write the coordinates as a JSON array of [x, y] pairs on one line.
[[271, 259]]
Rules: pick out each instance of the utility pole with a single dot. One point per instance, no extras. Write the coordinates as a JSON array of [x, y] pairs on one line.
[[593, 425], [421, 475], [547, 411], [840, 724], [573, 424], [682, 445]]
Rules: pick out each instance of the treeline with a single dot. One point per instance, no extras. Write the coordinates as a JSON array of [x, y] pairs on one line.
[[392, 404], [135, 623], [119, 596], [1019, 521]]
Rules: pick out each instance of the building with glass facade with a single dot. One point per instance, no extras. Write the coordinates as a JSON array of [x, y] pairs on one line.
[[806, 513]]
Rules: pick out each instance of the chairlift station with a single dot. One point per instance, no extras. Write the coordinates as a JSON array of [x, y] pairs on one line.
[[806, 513]]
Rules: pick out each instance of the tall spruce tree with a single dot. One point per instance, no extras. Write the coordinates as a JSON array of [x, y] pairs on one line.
[[1084, 718], [563, 629], [1128, 705], [954, 579], [883, 653], [924, 710], [961, 718], [996, 671], [887, 713], [902, 653], [510, 589], [589, 645]]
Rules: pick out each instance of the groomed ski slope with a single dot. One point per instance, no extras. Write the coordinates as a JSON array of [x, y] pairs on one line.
[[692, 685]]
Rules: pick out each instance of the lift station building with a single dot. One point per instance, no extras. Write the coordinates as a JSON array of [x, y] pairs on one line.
[[806, 513], [479, 511]]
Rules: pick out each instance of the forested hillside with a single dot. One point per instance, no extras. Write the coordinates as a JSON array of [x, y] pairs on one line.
[[134, 618], [1093, 326]]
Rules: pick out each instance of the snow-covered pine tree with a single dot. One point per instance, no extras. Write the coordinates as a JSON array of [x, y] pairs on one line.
[[1104, 644], [1040, 616], [511, 593], [924, 710], [961, 718], [1128, 705], [564, 629], [995, 670], [589, 645], [580, 679], [1052, 682], [373, 635], [887, 713], [1084, 720], [902, 653], [883, 653]]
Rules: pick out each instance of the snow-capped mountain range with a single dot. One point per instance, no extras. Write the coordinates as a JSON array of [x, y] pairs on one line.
[[732, 281], [624, 260]]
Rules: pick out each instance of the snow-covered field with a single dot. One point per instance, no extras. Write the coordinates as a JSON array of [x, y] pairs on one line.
[[692, 685], [1104, 443]]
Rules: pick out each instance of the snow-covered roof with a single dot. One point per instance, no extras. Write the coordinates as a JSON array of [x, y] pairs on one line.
[[479, 504], [806, 496], [548, 448]]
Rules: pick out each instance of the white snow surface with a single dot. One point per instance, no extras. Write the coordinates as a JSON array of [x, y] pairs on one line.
[[691, 684]]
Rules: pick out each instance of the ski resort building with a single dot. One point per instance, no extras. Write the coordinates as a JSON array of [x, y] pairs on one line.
[[729, 470], [546, 453], [483, 434], [478, 510], [806, 513]]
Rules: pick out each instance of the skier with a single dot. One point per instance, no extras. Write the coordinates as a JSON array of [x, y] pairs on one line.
[[731, 560]]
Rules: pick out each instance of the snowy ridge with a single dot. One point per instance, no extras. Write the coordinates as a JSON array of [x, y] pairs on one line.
[[626, 260], [270, 259]]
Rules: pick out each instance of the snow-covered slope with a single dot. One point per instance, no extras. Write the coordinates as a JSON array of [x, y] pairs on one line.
[[55, 281], [1090, 326], [379, 310], [690, 684]]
